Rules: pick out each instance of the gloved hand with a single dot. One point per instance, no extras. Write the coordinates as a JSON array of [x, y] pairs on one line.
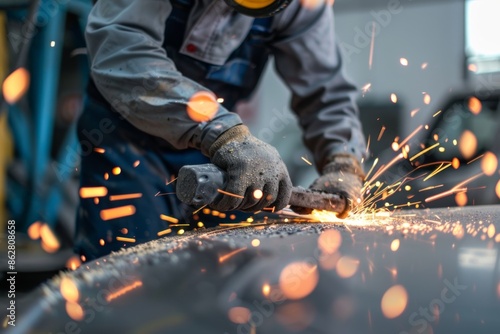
[[250, 165], [342, 175]]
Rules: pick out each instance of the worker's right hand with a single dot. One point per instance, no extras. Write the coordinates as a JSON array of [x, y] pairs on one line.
[[251, 165]]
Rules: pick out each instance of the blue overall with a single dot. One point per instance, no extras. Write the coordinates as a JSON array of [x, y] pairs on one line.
[[147, 163]]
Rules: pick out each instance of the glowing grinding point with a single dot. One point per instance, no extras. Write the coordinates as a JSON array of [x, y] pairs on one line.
[[257, 194], [202, 106]]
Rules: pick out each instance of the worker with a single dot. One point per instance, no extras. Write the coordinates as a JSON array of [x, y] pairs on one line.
[[150, 59]]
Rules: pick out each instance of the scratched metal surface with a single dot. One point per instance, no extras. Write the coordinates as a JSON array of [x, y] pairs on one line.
[[446, 262]]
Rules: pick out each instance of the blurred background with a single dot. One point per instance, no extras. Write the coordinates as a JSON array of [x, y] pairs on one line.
[[428, 73]]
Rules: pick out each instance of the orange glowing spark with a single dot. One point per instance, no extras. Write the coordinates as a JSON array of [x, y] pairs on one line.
[[497, 189], [169, 219], [394, 301], [395, 245], [455, 163], [181, 232], [74, 311], [424, 66], [124, 196], [102, 242], [414, 112], [96, 200], [220, 100], [172, 179], [366, 88], [476, 158], [166, 231], [498, 289], [467, 144], [475, 105], [372, 44], [347, 266], [255, 242], [394, 98], [427, 98], [106, 176], [99, 150], [461, 198], [453, 190], [49, 241], [124, 230], [200, 224], [439, 169], [201, 208], [298, 279], [69, 290], [306, 161], [424, 151], [431, 187], [119, 212], [124, 290], [239, 315], [497, 238], [266, 289], [472, 67], [491, 231], [489, 163], [116, 170], [16, 85], [410, 136], [229, 194], [257, 194], [458, 231], [202, 106], [329, 241], [89, 192], [395, 146], [403, 61], [382, 129], [136, 163], [227, 256], [73, 262], [34, 230], [437, 113], [125, 239]]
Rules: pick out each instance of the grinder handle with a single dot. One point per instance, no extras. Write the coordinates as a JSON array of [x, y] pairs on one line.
[[198, 184]]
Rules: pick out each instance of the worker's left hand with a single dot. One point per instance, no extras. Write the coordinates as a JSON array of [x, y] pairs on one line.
[[343, 175]]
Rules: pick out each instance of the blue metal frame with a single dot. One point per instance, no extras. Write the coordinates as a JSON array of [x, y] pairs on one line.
[[43, 194]]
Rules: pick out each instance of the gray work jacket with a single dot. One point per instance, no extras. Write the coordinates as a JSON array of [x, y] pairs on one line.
[[136, 76]]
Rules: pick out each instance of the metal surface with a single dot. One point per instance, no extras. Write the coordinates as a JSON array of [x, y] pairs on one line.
[[423, 271]]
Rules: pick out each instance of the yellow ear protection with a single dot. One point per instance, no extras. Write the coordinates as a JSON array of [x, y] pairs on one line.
[[258, 8]]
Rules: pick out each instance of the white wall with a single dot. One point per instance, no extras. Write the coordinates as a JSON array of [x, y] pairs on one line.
[[431, 32]]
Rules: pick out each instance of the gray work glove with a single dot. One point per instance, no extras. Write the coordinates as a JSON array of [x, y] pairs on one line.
[[342, 175], [250, 165]]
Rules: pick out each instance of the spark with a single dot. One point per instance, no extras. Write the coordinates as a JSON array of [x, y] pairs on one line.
[[372, 45], [255, 242], [472, 67], [431, 187], [489, 164], [75, 311], [239, 315], [166, 231], [371, 169], [124, 239], [34, 230], [163, 194], [427, 98], [266, 289], [410, 136], [220, 100], [383, 168], [433, 221], [306, 161], [172, 180], [227, 256], [102, 242], [180, 232], [367, 146], [16, 85], [382, 129], [69, 290], [106, 176], [437, 170], [116, 170], [467, 144], [180, 225], [437, 113], [124, 196], [99, 150], [414, 112], [424, 151], [50, 243], [455, 189], [169, 219], [89, 192], [124, 290], [394, 301], [424, 66], [119, 212], [475, 105], [136, 163], [475, 159], [73, 263], [199, 209], [366, 88], [394, 98], [229, 194], [202, 106], [403, 61]]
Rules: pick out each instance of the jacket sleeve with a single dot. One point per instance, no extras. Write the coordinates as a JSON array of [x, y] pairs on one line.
[[308, 59], [134, 74]]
